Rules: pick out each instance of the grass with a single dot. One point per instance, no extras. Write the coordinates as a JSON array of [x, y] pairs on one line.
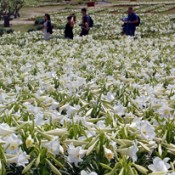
[[20, 27], [23, 27]]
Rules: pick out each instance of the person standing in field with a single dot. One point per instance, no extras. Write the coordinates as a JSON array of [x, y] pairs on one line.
[[47, 27], [85, 23], [68, 32], [131, 22]]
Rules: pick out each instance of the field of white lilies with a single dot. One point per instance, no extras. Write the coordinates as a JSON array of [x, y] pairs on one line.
[[99, 105]]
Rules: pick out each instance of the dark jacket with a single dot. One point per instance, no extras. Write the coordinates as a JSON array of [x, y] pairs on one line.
[[68, 32], [49, 27]]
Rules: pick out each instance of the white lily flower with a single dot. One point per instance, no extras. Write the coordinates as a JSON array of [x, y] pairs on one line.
[[113, 145], [110, 96], [75, 154], [12, 143], [101, 124], [119, 109], [39, 119], [173, 173], [165, 110], [53, 146], [29, 141], [83, 172], [55, 105], [160, 165], [21, 159], [146, 130], [141, 102], [108, 153], [5, 129], [3, 96], [133, 152]]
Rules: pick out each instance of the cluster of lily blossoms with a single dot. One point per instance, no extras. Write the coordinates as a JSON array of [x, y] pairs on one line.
[[101, 104]]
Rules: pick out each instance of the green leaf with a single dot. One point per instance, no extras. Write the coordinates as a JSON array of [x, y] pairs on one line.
[[53, 168], [28, 167]]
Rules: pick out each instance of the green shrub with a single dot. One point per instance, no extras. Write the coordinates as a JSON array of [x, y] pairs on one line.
[[80, 2], [10, 31], [31, 30], [39, 21], [61, 27], [2, 31], [39, 27]]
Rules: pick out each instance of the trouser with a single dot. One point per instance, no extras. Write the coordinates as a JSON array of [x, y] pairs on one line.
[[124, 28], [69, 37], [46, 35], [130, 29], [84, 32], [130, 32]]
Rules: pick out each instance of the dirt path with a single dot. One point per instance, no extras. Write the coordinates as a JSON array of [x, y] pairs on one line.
[[172, 11]]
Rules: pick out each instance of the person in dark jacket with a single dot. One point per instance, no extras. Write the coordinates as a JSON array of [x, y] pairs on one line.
[[85, 23], [68, 32], [47, 27]]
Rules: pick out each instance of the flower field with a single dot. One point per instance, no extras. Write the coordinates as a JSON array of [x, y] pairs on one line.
[[99, 105]]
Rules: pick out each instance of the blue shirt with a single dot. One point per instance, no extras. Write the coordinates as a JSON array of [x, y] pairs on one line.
[[132, 17]]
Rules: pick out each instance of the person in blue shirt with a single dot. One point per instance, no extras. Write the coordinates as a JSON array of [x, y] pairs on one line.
[[85, 28], [130, 22]]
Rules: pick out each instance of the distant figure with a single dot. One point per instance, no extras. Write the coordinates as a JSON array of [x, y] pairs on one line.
[[91, 3], [47, 27], [130, 23], [68, 32], [85, 23]]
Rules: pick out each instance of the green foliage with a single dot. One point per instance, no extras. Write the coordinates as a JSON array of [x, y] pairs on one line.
[[11, 6], [39, 21]]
